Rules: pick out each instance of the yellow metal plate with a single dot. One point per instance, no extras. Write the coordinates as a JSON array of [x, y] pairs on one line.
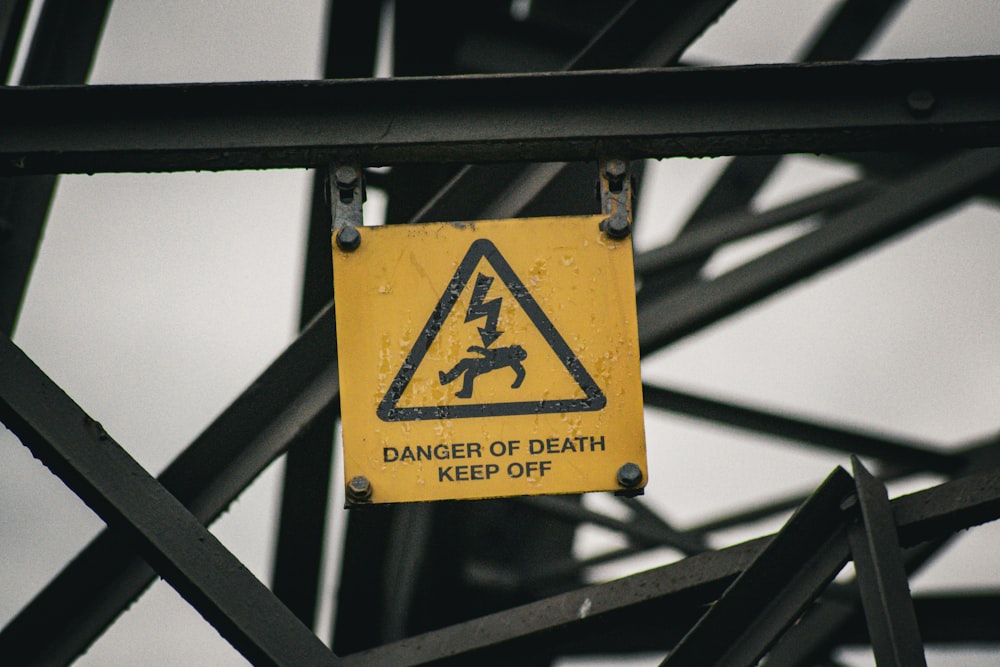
[[488, 359]]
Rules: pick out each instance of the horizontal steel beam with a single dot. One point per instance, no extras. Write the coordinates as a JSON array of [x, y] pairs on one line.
[[665, 591], [564, 116]]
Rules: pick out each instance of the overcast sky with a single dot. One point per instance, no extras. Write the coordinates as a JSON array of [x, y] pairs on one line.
[[156, 299]]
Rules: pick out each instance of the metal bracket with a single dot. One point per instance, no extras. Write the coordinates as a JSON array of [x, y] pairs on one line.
[[615, 183], [346, 190]]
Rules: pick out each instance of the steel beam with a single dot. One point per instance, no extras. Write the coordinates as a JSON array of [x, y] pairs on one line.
[[643, 33], [644, 533], [846, 31], [656, 594], [903, 453], [305, 491], [700, 241], [670, 317], [767, 597], [294, 392], [12, 15], [835, 616], [881, 105], [75, 447], [61, 52], [882, 580]]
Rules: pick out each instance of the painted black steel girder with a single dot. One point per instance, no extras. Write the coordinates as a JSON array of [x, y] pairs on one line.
[[659, 594], [907, 202], [296, 392], [95, 467], [566, 116]]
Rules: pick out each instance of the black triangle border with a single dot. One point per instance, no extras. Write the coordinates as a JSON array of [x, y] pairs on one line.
[[485, 249]]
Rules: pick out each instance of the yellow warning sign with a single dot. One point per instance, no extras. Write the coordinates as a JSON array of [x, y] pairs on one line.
[[488, 359]]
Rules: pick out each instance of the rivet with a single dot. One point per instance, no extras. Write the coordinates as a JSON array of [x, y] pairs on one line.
[[921, 102]]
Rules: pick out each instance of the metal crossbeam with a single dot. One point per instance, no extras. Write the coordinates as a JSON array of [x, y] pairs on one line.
[[767, 597], [75, 447], [671, 316], [645, 599], [835, 438], [644, 33], [885, 594], [62, 51], [296, 391], [882, 105]]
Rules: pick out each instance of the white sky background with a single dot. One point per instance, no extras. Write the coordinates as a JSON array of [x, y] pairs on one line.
[[157, 298]]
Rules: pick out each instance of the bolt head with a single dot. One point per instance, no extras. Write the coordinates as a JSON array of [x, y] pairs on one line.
[[630, 475], [359, 489], [346, 177], [921, 102], [614, 169], [617, 227], [348, 239]]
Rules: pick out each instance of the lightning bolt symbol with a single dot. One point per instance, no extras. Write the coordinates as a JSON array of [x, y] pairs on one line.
[[479, 307]]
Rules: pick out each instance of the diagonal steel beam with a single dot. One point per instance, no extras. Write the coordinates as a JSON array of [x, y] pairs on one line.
[[296, 391], [61, 52], [900, 452], [801, 559], [843, 36], [12, 15], [911, 200], [882, 580], [642, 532], [651, 596], [832, 620], [75, 447], [700, 241], [539, 117], [644, 33], [847, 31]]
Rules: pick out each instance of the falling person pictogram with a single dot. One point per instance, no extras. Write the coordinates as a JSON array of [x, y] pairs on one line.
[[491, 360]]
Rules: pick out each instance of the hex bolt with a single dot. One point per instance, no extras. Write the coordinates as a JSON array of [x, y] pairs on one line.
[[617, 227], [359, 490], [346, 177], [629, 475], [921, 102], [614, 171], [348, 239]]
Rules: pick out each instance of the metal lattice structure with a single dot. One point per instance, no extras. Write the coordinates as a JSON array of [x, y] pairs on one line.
[[520, 133]]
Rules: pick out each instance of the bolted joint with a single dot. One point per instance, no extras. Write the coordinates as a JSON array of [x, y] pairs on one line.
[[348, 239], [629, 475], [616, 227], [359, 490], [346, 177], [614, 171]]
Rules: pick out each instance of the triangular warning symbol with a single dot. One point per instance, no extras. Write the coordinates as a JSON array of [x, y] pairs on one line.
[[485, 355]]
